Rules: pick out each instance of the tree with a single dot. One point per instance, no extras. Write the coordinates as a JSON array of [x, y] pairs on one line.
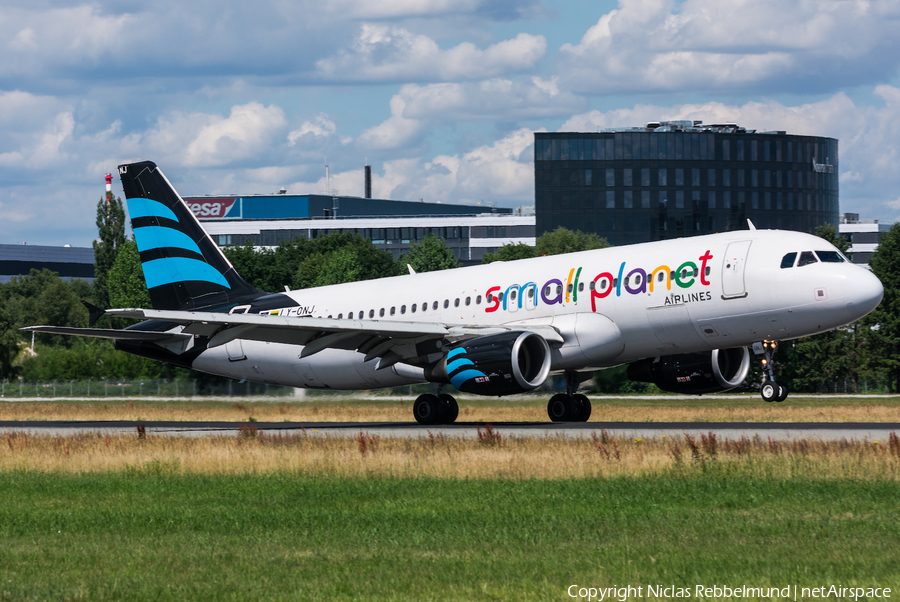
[[510, 253], [9, 345], [126, 286], [831, 234], [563, 240], [341, 257], [111, 226], [884, 322], [429, 255]]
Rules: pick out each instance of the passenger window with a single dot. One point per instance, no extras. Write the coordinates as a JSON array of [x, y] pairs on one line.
[[340, 316], [424, 306], [696, 272], [558, 289], [547, 291], [672, 275], [490, 298], [706, 271], [788, 260], [446, 303], [478, 300], [603, 286], [593, 285], [806, 258], [413, 308], [829, 257], [381, 313], [569, 288], [402, 309], [329, 315], [531, 292], [615, 282], [625, 282], [435, 306], [580, 286], [456, 303], [468, 301], [393, 310], [662, 275], [371, 313]]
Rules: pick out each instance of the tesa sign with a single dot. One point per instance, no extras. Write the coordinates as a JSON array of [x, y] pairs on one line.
[[211, 207]]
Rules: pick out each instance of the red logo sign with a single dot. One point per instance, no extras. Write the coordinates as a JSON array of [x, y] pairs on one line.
[[206, 208]]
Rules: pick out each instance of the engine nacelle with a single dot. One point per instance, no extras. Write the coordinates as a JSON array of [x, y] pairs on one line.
[[694, 373], [499, 364]]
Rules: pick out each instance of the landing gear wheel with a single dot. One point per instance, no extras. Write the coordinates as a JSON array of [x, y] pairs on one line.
[[770, 390], [451, 408], [562, 408], [584, 407], [428, 409], [782, 393]]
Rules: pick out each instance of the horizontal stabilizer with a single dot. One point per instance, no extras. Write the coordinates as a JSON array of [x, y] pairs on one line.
[[111, 333]]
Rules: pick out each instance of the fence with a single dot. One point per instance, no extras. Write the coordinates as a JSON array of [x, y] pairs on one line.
[[141, 388]]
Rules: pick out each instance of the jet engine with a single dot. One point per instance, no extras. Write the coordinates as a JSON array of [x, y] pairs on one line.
[[694, 373], [499, 364]]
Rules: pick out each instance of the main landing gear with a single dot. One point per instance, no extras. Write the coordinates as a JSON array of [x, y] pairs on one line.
[[435, 409], [771, 390], [570, 406]]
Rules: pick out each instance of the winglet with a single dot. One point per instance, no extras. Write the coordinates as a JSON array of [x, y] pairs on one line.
[[94, 312], [750, 224], [411, 270]]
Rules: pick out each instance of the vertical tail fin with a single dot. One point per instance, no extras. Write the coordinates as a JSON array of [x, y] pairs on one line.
[[183, 267]]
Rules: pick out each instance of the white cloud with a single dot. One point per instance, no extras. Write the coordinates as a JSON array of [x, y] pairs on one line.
[[322, 127], [394, 9], [206, 140], [391, 53], [502, 172], [415, 108], [699, 45], [62, 36]]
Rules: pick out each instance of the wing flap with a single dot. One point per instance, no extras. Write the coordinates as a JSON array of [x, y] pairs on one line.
[[111, 333]]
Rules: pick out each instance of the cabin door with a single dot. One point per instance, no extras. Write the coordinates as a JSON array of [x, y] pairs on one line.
[[733, 270]]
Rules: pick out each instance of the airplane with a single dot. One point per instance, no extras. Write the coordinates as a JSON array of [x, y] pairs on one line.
[[680, 313]]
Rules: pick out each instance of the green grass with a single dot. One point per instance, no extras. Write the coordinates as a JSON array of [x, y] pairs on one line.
[[150, 534]]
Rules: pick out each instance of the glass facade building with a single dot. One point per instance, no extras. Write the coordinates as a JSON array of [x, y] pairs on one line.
[[675, 179]]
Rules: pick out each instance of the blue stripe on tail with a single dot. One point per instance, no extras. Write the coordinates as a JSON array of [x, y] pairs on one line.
[[180, 269], [157, 237]]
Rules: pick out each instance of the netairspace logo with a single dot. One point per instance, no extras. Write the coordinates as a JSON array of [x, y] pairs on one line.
[[790, 592]]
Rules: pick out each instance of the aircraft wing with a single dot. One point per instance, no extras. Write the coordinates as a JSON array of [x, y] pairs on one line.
[[111, 333], [390, 341]]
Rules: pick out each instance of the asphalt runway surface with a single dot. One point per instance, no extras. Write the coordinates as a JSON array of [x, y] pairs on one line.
[[828, 431]]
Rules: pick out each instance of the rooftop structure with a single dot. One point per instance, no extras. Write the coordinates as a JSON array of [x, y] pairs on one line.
[[68, 262]]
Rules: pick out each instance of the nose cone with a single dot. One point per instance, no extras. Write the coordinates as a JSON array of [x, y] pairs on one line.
[[863, 292]]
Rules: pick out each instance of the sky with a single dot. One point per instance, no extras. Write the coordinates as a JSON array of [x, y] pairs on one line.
[[441, 97]]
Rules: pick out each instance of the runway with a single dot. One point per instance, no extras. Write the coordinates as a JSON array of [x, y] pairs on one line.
[[830, 431]]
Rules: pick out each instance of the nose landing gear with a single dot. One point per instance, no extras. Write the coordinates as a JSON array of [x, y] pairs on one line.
[[771, 390], [570, 406]]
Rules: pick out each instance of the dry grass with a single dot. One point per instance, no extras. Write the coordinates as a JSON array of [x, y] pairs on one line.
[[751, 409], [491, 455]]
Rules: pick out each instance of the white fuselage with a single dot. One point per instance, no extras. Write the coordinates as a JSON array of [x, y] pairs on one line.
[[611, 306]]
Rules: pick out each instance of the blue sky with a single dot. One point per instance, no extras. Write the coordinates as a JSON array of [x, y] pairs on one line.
[[440, 96]]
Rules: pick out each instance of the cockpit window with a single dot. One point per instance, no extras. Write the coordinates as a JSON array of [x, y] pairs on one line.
[[788, 260], [830, 257], [806, 258]]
